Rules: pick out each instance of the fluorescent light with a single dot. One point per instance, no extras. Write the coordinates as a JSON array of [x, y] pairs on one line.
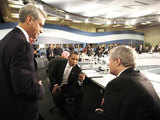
[[117, 25], [86, 21], [77, 21], [15, 6], [131, 22], [15, 15], [128, 26], [147, 22], [67, 17], [57, 1], [98, 23], [18, 2], [109, 22], [41, 45], [52, 18]]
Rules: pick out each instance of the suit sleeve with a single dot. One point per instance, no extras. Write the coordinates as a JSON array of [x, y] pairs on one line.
[[23, 74], [52, 68], [111, 102]]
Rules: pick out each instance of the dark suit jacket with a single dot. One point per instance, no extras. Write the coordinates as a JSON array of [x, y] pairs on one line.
[[56, 69], [19, 90], [131, 97], [49, 52], [57, 51]]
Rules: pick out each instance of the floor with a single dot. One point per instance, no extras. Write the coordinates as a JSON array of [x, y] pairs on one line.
[[46, 103]]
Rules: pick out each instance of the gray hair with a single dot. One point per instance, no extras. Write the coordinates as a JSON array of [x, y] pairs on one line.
[[126, 54], [30, 10]]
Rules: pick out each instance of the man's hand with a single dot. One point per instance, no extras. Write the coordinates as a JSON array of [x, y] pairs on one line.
[[56, 88], [81, 77], [99, 110], [40, 82]]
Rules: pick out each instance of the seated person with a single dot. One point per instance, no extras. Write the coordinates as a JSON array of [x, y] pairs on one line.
[[66, 81], [130, 96]]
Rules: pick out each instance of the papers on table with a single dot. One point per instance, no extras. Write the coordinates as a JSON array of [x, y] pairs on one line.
[[92, 74], [104, 80], [86, 67]]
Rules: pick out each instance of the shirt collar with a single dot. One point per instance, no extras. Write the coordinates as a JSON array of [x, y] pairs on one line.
[[122, 71], [68, 66], [24, 32]]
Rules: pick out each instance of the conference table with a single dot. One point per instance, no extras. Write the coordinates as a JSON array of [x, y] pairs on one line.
[[96, 80]]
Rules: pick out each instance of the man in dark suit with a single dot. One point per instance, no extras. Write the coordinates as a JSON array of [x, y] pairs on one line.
[[130, 96], [57, 51], [66, 84], [50, 52], [20, 89]]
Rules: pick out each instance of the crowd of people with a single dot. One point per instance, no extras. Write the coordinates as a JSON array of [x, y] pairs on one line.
[[90, 50], [130, 96]]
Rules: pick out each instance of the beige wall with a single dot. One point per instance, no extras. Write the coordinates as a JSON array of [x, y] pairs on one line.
[[84, 27], [152, 35]]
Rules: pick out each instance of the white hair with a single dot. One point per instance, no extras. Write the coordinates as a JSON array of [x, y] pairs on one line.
[[31, 10], [126, 54]]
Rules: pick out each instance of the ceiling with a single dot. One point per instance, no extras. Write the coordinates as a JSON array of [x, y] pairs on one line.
[[101, 13], [129, 12], [108, 8]]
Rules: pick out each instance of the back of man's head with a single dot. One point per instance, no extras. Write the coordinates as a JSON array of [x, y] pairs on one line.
[[126, 55], [31, 10], [65, 54]]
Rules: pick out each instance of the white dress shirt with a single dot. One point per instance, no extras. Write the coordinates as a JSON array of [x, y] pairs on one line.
[[24, 32], [66, 74]]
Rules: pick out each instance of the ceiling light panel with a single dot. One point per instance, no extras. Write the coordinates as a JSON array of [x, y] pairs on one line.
[[15, 6], [19, 2], [57, 1], [15, 15]]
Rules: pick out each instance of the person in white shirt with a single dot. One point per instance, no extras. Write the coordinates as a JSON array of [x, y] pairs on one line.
[[66, 80]]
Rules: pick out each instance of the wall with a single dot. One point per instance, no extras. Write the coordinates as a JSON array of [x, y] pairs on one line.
[[152, 35], [84, 27]]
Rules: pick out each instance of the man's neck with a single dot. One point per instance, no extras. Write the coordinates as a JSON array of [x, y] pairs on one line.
[[24, 26], [121, 70]]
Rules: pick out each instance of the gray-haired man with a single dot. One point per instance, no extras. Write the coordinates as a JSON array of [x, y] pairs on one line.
[[20, 89], [130, 96]]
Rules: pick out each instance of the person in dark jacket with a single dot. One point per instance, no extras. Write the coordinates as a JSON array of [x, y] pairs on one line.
[[130, 96], [20, 89], [66, 80]]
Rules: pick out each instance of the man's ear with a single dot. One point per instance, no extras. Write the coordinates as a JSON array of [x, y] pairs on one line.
[[28, 20], [118, 61]]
